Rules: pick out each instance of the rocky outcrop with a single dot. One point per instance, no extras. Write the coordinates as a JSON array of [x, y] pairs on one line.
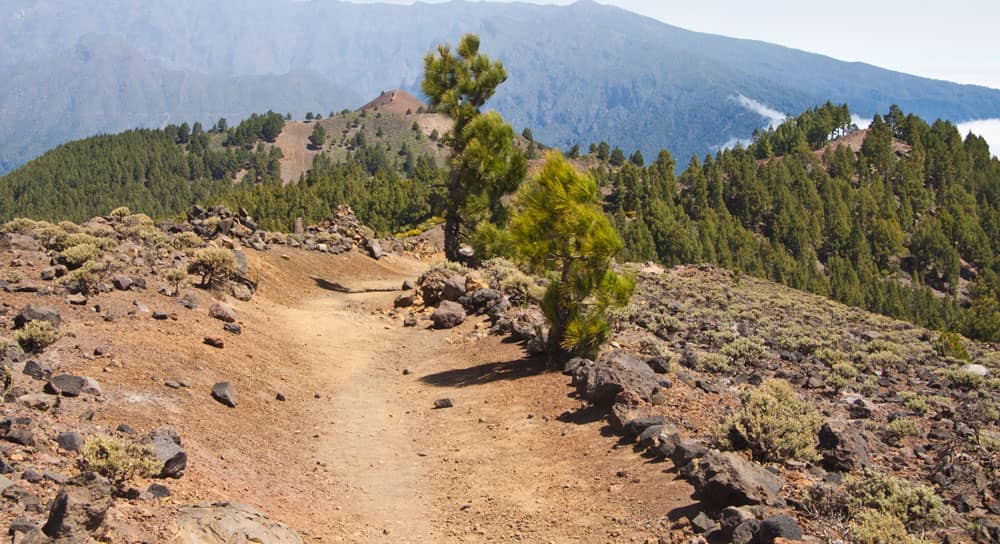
[[724, 479], [230, 523], [601, 381]]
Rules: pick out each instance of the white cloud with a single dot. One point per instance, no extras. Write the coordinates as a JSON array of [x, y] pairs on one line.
[[987, 128], [861, 122], [773, 116]]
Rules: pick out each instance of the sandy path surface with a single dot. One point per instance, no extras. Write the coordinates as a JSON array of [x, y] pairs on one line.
[[513, 460]]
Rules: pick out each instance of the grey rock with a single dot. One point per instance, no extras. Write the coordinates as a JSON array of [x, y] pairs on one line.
[[36, 312], [373, 247], [977, 370], [453, 289], [79, 508], [224, 393], [703, 524], [222, 312], [778, 526], [727, 479], [732, 517], [241, 292], [69, 385], [449, 314], [77, 299], [158, 491], [405, 300], [599, 382], [843, 447], [443, 403], [38, 401], [122, 283], [168, 451], [230, 523], [70, 440], [745, 532], [38, 371], [233, 328]]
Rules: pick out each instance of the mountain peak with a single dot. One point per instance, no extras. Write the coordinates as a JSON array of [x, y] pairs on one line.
[[395, 101]]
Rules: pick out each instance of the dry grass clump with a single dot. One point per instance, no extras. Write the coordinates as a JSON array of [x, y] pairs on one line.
[[118, 460], [35, 336], [774, 424]]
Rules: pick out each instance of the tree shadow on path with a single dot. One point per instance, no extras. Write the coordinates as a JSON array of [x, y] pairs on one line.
[[489, 372]]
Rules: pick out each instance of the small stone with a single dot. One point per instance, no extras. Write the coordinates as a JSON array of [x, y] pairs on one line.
[[77, 299], [36, 370], [279, 396], [443, 403], [160, 315], [122, 283], [224, 393], [215, 341], [410, 322], [233, 328], [158, 491], [407, 372]]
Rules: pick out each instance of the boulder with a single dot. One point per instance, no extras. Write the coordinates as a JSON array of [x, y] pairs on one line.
[[405, 300], [36, 312], [224, 393], [222, 312], [122, 283], [167, 449], [241, 292], [70, 440], [778, 526], [724, 479], [79, 508], [69, 385], [453, 288], [449, 314], [601, 381], [37, 370], [976, 370], [230, 523], [843, 447], [373, 247]]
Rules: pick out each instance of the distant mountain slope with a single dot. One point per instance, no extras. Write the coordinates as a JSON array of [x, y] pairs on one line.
[[578, 73], [102, 86]]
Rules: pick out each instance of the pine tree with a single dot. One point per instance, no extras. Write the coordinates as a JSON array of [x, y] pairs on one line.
[[318, 136], [485, 161], [560, 229]]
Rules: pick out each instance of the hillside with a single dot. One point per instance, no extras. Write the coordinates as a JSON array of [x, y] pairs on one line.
[[339, 430], [578, 74], [101, 86]]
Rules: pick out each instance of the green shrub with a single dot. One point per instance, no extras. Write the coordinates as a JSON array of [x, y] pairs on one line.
[[214, 265], [79, 255], [774, 424], [69, 227], [19, 225], [874, 527], [506, 277], [949, 344], [13, 276], [917, 506], [186, 240], [86, 279], [175, 276], [119, 460], [900, 428], [914, 402], [715, 363], [744, 351], [35, 336], [841, 374], [120, 213], [960, 378]]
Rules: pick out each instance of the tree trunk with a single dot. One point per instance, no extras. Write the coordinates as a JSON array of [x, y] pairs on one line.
[[452, 220]]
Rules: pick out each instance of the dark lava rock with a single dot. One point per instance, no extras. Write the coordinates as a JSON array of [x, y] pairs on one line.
[[727, 479], [224, 393], [779, 526], [449, 314], [601, 381], [443, 403]]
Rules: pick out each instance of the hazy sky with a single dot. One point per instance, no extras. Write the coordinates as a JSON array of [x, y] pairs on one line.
[[955, 40]]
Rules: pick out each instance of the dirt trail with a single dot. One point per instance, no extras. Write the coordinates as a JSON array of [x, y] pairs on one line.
[[499, 466]]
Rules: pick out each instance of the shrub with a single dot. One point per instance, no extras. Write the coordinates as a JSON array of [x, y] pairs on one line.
[[79, 255], [715, 363], [774, 424], [917, 506], [19, 225], [120, 213], [85, 280], [949, 344], [214, 265], [914, 402], [960, 378], [35, 336], [900, 428], [744, 351], [12, 276], [137, 219], [874, 527], [175, 276], [505, 276], [70, 227], [186, 240], [841, 374], [118, 460]]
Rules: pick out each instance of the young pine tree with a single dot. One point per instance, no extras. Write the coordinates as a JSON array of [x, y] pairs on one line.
[[561, 230]]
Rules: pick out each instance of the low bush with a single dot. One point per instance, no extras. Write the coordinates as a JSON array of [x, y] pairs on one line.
[[118, 460], [774, 424], [949, 344], [900, 428], [35, 336], [79, 255], [186, 240], [874, 527], [214, 265], [916, 506], [745, 351]]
